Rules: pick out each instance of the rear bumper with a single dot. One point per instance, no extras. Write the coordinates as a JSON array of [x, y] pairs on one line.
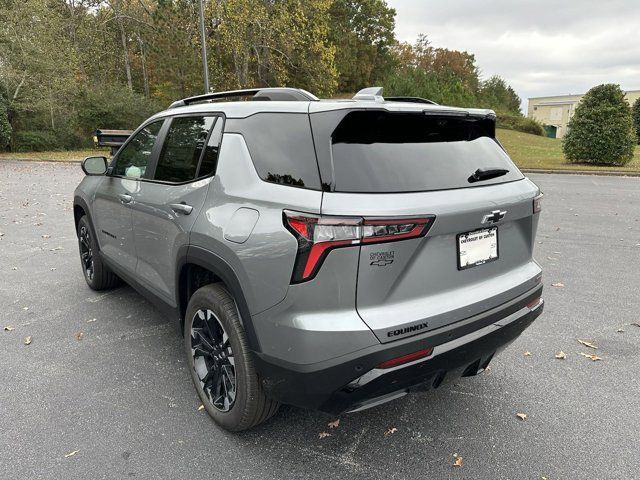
[[352, 382]]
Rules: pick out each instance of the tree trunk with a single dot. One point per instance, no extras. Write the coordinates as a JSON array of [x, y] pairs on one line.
[[144, 68], [123, 38], [53, 125]]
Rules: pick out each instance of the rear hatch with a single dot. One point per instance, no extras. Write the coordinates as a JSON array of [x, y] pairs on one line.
[[388, 167]]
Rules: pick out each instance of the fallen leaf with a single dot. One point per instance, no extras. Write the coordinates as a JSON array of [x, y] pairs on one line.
[[527, 354], [71, 454], [521, 416], [79, 336], [334, 424], [27, 340], [587, 344], [561, 355], [591, 356], [8, 328], [636, 324], [557, 285], [324, 435], [390, 431], [201, 407], [458, 460]]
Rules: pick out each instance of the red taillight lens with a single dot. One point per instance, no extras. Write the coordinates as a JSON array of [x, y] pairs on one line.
[[394, 362], [317, 235], [537, 203]]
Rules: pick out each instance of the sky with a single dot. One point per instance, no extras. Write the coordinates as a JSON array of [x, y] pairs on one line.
[[540, 47]]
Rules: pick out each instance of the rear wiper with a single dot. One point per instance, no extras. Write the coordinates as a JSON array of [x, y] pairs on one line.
[[487, 173]]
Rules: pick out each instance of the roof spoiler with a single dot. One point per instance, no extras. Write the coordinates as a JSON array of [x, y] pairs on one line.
[[276, 94]]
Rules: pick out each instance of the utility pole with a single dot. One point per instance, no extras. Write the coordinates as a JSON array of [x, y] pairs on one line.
[[204, 49]]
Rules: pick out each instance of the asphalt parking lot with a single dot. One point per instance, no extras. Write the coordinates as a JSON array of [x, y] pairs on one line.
[[120, 397]]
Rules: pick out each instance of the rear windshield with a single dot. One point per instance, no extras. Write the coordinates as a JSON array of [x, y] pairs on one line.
[[384, 152]]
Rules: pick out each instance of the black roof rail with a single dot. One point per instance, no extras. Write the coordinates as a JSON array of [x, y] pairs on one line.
[[276, 94], [410, 99]]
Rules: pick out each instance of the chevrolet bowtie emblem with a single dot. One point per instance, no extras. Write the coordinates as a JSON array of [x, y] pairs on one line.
[[494, 217]]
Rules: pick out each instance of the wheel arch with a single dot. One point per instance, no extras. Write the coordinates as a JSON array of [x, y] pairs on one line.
[[196, 261], [81, 209]]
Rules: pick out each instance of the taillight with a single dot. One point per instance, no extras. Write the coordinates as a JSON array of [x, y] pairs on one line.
[[537, 203], [318, 235]]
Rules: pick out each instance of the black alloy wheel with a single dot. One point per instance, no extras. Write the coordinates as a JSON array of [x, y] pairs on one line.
[[86, 252], [213, 360]]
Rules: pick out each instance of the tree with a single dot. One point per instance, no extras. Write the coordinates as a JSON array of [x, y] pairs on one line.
[[445, 76], [267, 43], [363, 33], [635, 112], [495, 93], [601, 130]]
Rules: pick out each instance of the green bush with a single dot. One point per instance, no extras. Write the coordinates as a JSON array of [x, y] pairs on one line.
[[112, 107], [601, 131], [635, 112], [520, 123], [35, 141]]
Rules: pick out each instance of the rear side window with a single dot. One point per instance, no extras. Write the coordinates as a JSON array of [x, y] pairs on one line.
[[382, 152], [209, 161], [281, 148], [186, 142]]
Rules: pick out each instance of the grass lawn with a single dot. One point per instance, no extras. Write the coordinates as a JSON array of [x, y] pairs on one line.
[[55, 156], [532, 151]]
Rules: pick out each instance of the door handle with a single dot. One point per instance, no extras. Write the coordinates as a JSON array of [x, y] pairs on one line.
[[125, 198], [181, 208]]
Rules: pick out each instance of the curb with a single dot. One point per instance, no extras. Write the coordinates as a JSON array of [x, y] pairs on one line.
[[603, 173]]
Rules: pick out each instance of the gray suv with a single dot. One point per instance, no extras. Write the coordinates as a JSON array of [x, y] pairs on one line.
[[328, 254]]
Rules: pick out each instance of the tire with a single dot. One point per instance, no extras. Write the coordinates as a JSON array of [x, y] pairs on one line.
[[212, 313], [97, 275]]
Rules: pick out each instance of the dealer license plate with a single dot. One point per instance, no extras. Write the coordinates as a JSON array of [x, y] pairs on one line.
[[478, 247]]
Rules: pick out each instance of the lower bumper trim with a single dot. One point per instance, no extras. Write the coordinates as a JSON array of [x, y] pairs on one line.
[[356, 384]]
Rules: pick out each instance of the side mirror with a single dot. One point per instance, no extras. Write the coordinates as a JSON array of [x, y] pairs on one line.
[[94, 165]]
